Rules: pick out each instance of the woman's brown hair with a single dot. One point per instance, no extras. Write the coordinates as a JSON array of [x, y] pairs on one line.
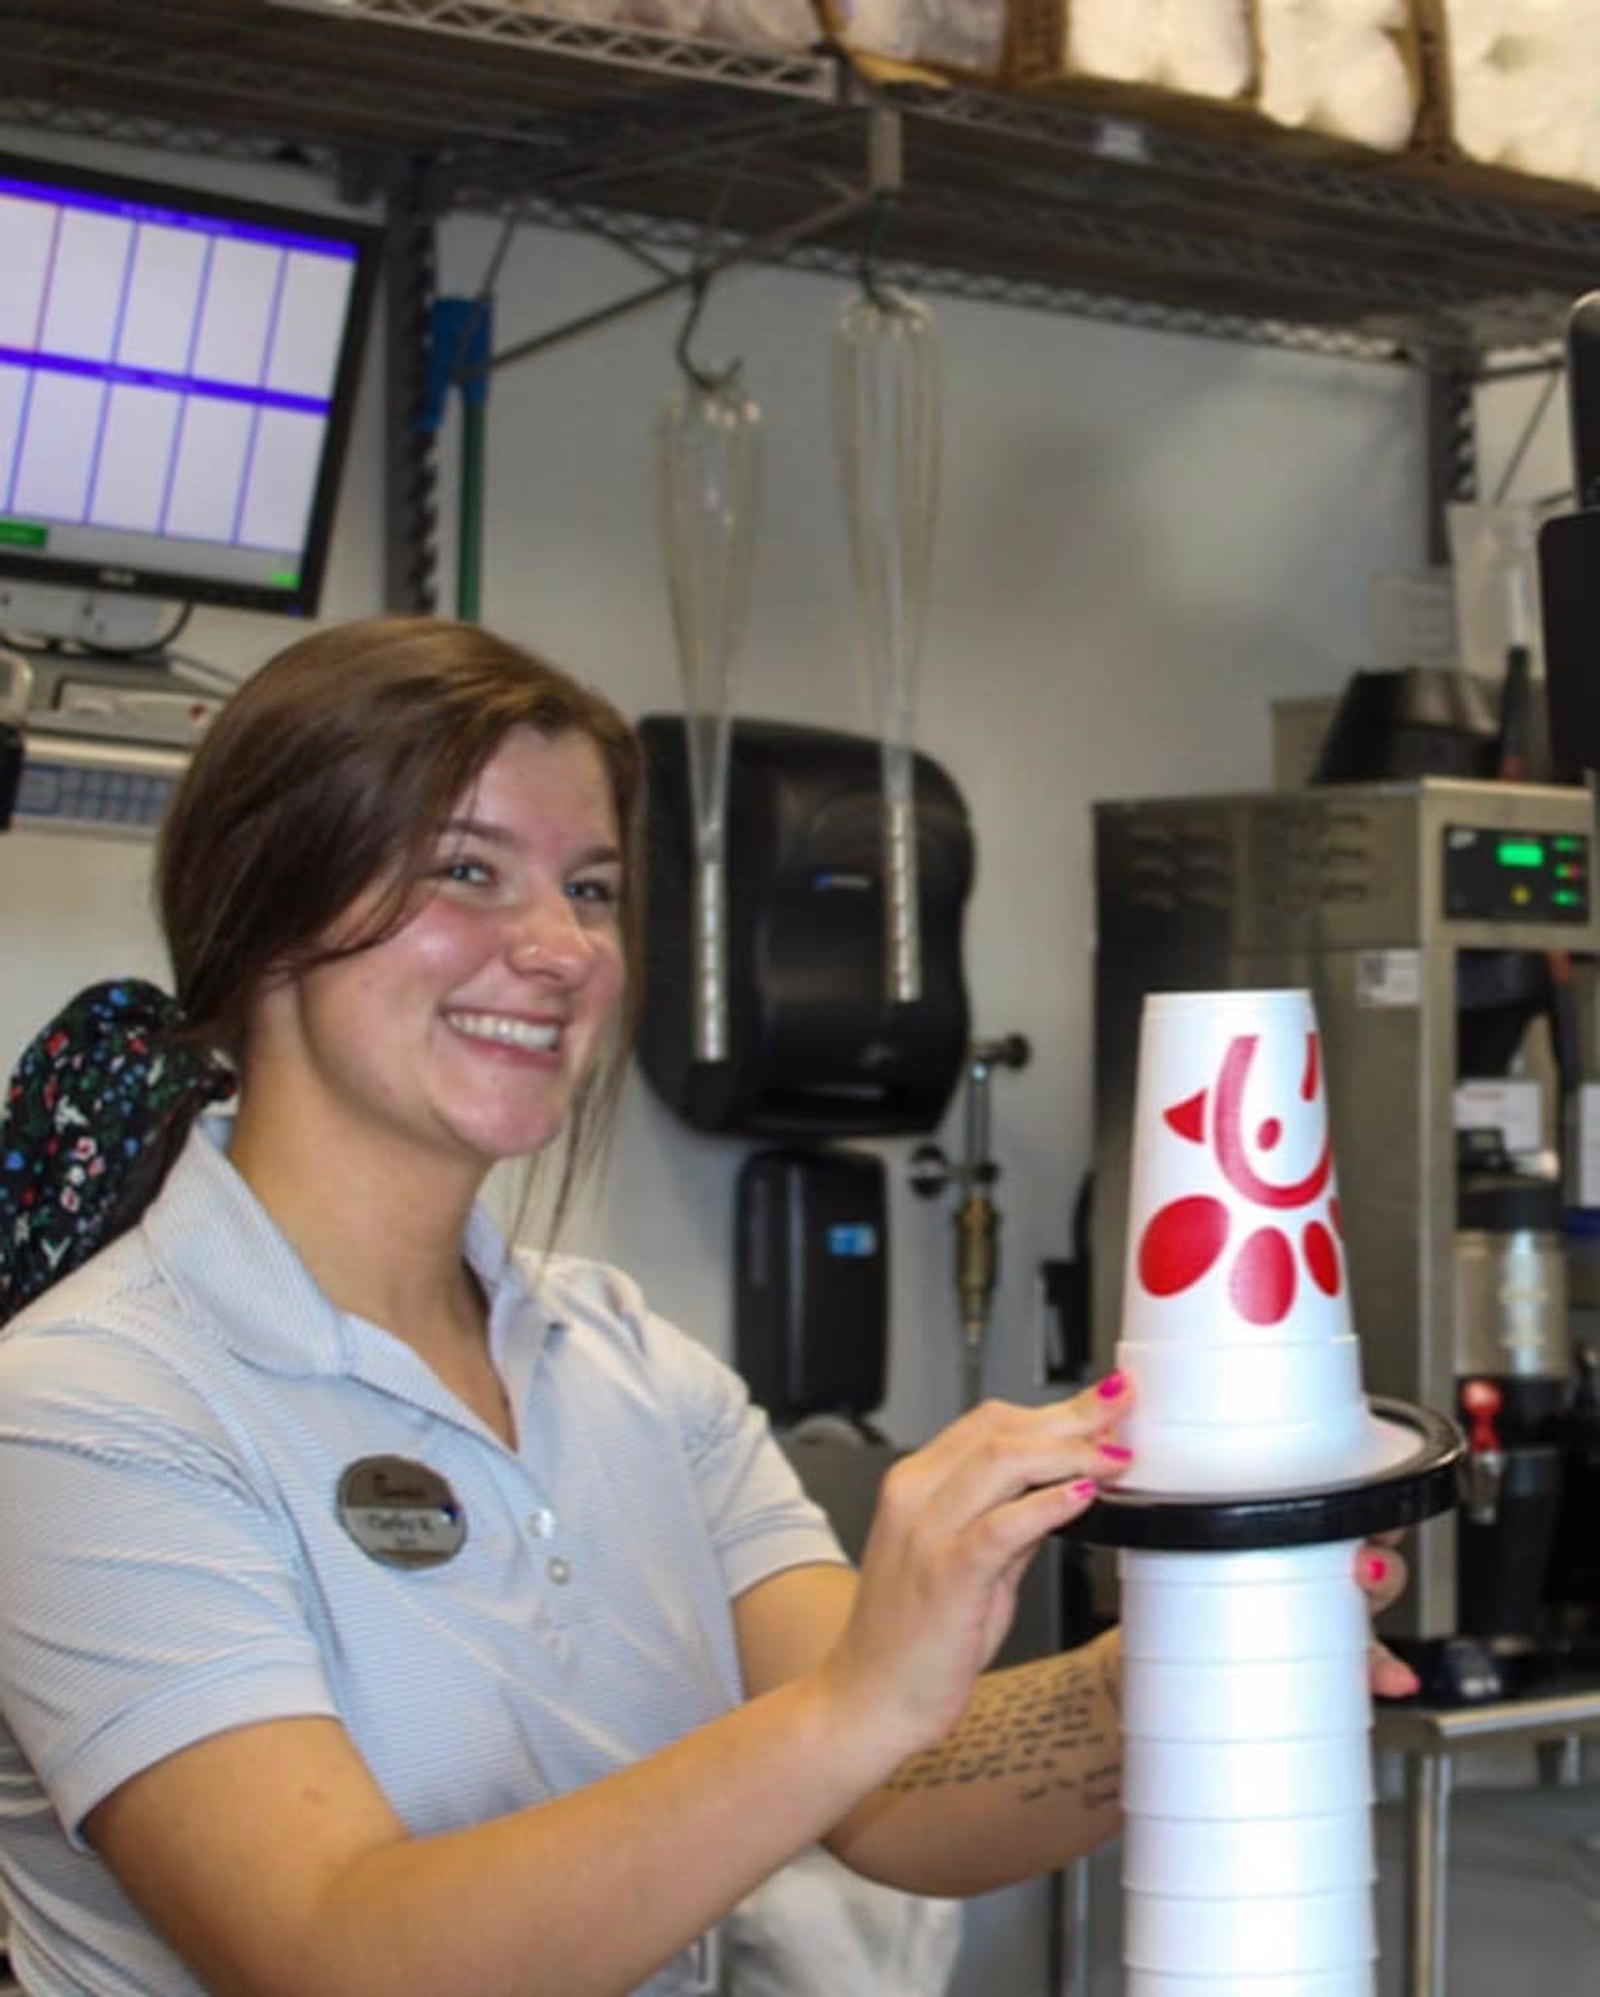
[[333, 771]]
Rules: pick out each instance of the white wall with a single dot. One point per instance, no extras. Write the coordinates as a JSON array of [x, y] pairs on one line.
[[1145, 539]]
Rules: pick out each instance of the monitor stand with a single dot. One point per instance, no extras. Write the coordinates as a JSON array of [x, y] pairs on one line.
[[94, 618]]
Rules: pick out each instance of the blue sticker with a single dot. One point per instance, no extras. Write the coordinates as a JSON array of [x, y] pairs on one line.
[[857, 1239]]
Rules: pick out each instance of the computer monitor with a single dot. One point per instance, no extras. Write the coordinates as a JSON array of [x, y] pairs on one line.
[[177, 375]]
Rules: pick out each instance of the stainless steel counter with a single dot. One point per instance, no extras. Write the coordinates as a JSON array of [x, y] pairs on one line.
[[1429, 1738]]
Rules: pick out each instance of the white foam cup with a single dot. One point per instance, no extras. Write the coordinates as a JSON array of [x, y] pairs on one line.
[[1244, 1386], [1233, 1217], [1355, 1981], [1329, 1562], [1176, 1620], [1342, 1445], [1242, 1417], [1294, 1699], [1232, 1781], [1200, 1459], [1250, 1935], [1184, 1857]]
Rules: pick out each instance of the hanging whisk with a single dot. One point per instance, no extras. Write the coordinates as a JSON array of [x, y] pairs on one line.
[[887, 407], [708, 471]]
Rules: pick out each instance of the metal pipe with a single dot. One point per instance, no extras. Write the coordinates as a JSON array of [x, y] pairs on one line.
[[469, 516], [1427, 1857], [977, 1218]]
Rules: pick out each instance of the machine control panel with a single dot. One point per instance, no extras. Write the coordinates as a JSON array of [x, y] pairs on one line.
[[1507, 874], [64, 783]]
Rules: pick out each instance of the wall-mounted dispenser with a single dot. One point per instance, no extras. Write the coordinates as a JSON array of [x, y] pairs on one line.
[[811, 1318], [816, 1046]]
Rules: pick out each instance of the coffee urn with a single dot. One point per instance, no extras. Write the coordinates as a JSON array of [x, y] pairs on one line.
[[1514, 1373], [1432, 919]]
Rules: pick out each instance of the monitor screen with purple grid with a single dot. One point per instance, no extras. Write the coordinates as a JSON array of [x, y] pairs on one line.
[[177, 373]]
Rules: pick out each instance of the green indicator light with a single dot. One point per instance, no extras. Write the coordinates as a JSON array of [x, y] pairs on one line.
[[1565, 898], [1567, 844], [23, 534], [284, 579], [1520, 853]]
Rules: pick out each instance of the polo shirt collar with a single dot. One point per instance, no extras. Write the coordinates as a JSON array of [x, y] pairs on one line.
[[221, 1249]]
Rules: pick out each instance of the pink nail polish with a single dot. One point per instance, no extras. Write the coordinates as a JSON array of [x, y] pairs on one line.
[[1116, 1452], [1111, 1386], [1374, 1566], [1083, 1487]]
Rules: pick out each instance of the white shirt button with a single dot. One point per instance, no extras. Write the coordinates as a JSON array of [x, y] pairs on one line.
[[559, 1570], [542, 1523]]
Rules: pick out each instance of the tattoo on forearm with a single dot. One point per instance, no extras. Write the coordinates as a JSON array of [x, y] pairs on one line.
[[1110, 1660], [1046, 1729]]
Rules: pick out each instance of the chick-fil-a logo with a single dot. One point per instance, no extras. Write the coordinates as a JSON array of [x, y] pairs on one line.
[[1186, 1238]]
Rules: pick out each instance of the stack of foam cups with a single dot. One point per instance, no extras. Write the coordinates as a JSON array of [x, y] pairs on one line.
[[1247, 1856]]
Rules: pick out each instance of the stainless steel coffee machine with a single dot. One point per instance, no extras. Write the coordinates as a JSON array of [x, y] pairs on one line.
[[1434, 920]]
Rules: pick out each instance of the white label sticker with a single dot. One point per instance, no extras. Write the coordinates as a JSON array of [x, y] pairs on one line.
[[1513, 1107], [1389, 977]]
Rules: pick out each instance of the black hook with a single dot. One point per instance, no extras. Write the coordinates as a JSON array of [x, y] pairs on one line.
[[705, 379], [880, 211]]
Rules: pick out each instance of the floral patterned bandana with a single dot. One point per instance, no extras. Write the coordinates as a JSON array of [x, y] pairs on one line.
[[90, 1102]]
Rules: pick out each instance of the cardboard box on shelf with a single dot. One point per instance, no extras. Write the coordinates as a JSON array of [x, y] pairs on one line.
[[1300, 726], [1509, 100], [1325, 79], [924, 41], [1464, 95], [1348, 71], [767, 27], [1194, 69]]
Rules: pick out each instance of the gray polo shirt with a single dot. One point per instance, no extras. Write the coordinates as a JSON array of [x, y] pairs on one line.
[[175, 1422]]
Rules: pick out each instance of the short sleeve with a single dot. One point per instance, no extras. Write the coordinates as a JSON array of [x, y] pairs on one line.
[[756, 1512], [163, 1604]]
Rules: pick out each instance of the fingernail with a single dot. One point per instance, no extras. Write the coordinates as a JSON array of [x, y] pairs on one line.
[[1112, 1385], [1374, 1566], [1083, 1487], [1116, 1452]]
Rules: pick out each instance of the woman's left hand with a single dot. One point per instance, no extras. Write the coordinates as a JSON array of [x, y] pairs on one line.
[[1381, 1570]]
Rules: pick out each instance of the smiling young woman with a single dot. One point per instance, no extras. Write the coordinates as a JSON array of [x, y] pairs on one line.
[[463, 1037], [338, 798]]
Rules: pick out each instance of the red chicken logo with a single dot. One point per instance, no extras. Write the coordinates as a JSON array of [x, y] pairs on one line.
[[1186, 1238]]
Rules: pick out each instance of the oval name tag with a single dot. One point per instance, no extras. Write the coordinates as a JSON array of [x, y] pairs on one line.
[[401, 1512]]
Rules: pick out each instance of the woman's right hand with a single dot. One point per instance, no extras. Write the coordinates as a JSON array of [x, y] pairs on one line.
[[956, 1524]]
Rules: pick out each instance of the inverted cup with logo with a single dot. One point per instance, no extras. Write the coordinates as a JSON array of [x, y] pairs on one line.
[[1234, 1227]]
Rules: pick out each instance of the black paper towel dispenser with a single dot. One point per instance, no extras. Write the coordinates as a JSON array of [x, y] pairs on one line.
[[815, 1046]]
